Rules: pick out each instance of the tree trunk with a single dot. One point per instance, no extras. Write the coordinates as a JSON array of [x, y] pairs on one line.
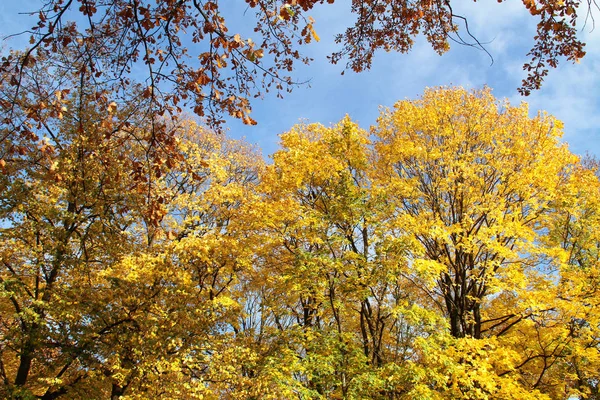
[[117, 391]]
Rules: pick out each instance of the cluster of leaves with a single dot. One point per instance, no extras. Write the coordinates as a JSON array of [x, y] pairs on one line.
[[449, 254], [186, 54]]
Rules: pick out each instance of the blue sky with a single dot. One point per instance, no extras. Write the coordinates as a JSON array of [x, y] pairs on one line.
[[569, 93]]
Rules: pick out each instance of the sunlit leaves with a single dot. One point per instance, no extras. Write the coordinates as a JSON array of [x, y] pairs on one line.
[[451, 253], [472, 180], [113, 280]]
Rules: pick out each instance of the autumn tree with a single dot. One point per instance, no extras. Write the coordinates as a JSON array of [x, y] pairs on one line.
[[117, 262], [573, 234], [479, 186], [473, 182], [67, 197], [327, 278]]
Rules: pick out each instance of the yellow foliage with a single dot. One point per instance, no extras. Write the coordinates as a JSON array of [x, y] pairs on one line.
[[451, 253]]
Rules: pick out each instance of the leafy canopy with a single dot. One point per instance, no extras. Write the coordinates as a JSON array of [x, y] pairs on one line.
[[187, 53], [449, 253]]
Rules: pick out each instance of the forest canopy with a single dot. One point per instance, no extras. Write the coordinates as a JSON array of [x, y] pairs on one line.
[[449, 252]]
